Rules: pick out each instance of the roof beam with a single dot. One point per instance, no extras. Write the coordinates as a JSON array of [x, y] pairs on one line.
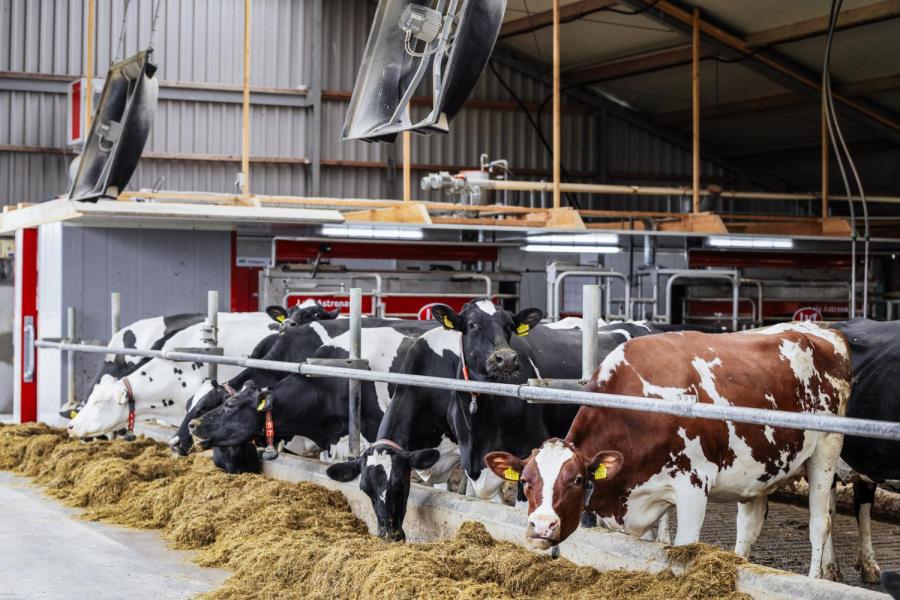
[[770, 64], [646, 62], [567, 13], [851, 90], [810, 28], [635, 118]]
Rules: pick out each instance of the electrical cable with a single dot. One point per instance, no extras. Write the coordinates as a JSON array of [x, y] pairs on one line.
[[570, 198], [120, 46], [839, 144]]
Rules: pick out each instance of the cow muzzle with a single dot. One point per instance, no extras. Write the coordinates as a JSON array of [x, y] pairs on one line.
[[176, 446], [543, 531], [392, 534], [503, 361]]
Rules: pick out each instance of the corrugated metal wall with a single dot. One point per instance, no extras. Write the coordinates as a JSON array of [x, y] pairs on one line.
[[201, 41]]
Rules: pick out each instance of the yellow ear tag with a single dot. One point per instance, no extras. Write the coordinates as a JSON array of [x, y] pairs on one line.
[[510, 474], [73, 414], [523, 329], [262, 406], [281, 318], [448, 323], [600, 473]]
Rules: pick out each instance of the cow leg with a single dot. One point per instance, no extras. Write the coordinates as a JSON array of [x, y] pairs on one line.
[[750, 518], [863, 499], [663, 533], [690, 511], [830, 567], [820, 475]]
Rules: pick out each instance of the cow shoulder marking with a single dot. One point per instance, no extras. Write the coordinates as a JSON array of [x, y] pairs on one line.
[[708, 378], [441, 340], [801, 360], [806, 328], [486, 306], [321, 332], [550, 460], [611, 363]]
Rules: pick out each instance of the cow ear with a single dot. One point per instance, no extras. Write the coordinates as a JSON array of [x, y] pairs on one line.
[[344, 472], [525, 320], [330, 315], [446, 316], [278, 313], [605, 465], [424, 459], [505, 465]]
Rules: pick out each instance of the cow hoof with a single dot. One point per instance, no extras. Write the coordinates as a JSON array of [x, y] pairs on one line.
[[832, 573], [554, 552], [869, 572], [588, 519]]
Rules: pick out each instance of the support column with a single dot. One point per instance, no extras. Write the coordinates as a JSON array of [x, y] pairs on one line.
[[557, 137], [89, 70], [407, 166], [245, 125], [825, 154], [695, 106]]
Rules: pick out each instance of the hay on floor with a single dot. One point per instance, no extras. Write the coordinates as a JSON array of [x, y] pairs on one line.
[[300, 540]]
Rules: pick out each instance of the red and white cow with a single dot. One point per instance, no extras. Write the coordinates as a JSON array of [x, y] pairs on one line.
[[641, 464]]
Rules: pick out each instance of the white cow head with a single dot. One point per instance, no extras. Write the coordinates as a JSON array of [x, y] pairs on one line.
[[105, 411]]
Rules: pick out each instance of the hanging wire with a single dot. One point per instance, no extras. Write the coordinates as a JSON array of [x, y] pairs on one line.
[[120, 46], [839, 145], [155, 19]]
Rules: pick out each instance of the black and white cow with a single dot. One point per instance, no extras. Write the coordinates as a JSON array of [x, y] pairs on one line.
[[145, 334], [314, 408], [160, 388], [867, 463], [301, 313], [292, 344]]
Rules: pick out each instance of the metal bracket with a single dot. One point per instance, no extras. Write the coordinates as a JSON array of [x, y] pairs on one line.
[[28, 349], [351, 363]]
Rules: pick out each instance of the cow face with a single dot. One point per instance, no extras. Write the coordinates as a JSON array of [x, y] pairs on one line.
[[384, 473], [106, 410], [557, 481], [210, 396], [301, 314], [486, 330], [237, 421]]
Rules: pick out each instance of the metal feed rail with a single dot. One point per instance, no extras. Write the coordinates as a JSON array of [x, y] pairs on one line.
[[688, 407]]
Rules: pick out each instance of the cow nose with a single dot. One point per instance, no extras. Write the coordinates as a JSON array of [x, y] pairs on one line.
[[545, 526], [193, 425], [505, 359]]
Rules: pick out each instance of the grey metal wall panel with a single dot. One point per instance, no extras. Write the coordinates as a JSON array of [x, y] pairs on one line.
[[157, 272]]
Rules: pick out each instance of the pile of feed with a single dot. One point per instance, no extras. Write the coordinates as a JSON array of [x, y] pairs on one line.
[[300, 540]]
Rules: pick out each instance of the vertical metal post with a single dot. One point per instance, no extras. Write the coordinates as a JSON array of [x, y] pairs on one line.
[[89, 70], [212, 325], [70, 357], [407, 166], [245, 124], [315, 97], [557, 123], [825, 155], [695, 102], [590, 341], [735, 301], [115, 312], [353, 425]]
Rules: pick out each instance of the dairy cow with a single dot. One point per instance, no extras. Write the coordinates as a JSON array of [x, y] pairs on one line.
[[631, 466], [867, 463], [161, 389], [314, 408]]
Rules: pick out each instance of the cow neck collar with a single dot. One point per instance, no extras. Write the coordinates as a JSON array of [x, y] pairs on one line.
[[390, 444], [129, 396], [473, 405]]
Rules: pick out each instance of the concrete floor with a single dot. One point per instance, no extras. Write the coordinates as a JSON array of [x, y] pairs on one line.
[[47, 553]]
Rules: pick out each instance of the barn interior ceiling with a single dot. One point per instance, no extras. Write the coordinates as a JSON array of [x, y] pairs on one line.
[[758, 109]]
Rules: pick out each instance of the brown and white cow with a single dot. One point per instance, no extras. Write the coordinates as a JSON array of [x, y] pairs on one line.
[[641, 464]]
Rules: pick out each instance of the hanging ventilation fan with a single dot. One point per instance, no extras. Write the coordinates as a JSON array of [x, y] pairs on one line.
[[119, 130], [451, 39]]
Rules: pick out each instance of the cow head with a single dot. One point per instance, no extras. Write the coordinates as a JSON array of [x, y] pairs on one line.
[[235, 422], [211, 395], [557, 480], [384, 471], [301, 314], [105, 411], [486, 330]]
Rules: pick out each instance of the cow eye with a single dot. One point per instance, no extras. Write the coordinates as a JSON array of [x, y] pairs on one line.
[[579, 480]]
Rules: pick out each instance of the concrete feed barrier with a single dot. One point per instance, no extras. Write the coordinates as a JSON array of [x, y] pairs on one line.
[[435, 514]]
